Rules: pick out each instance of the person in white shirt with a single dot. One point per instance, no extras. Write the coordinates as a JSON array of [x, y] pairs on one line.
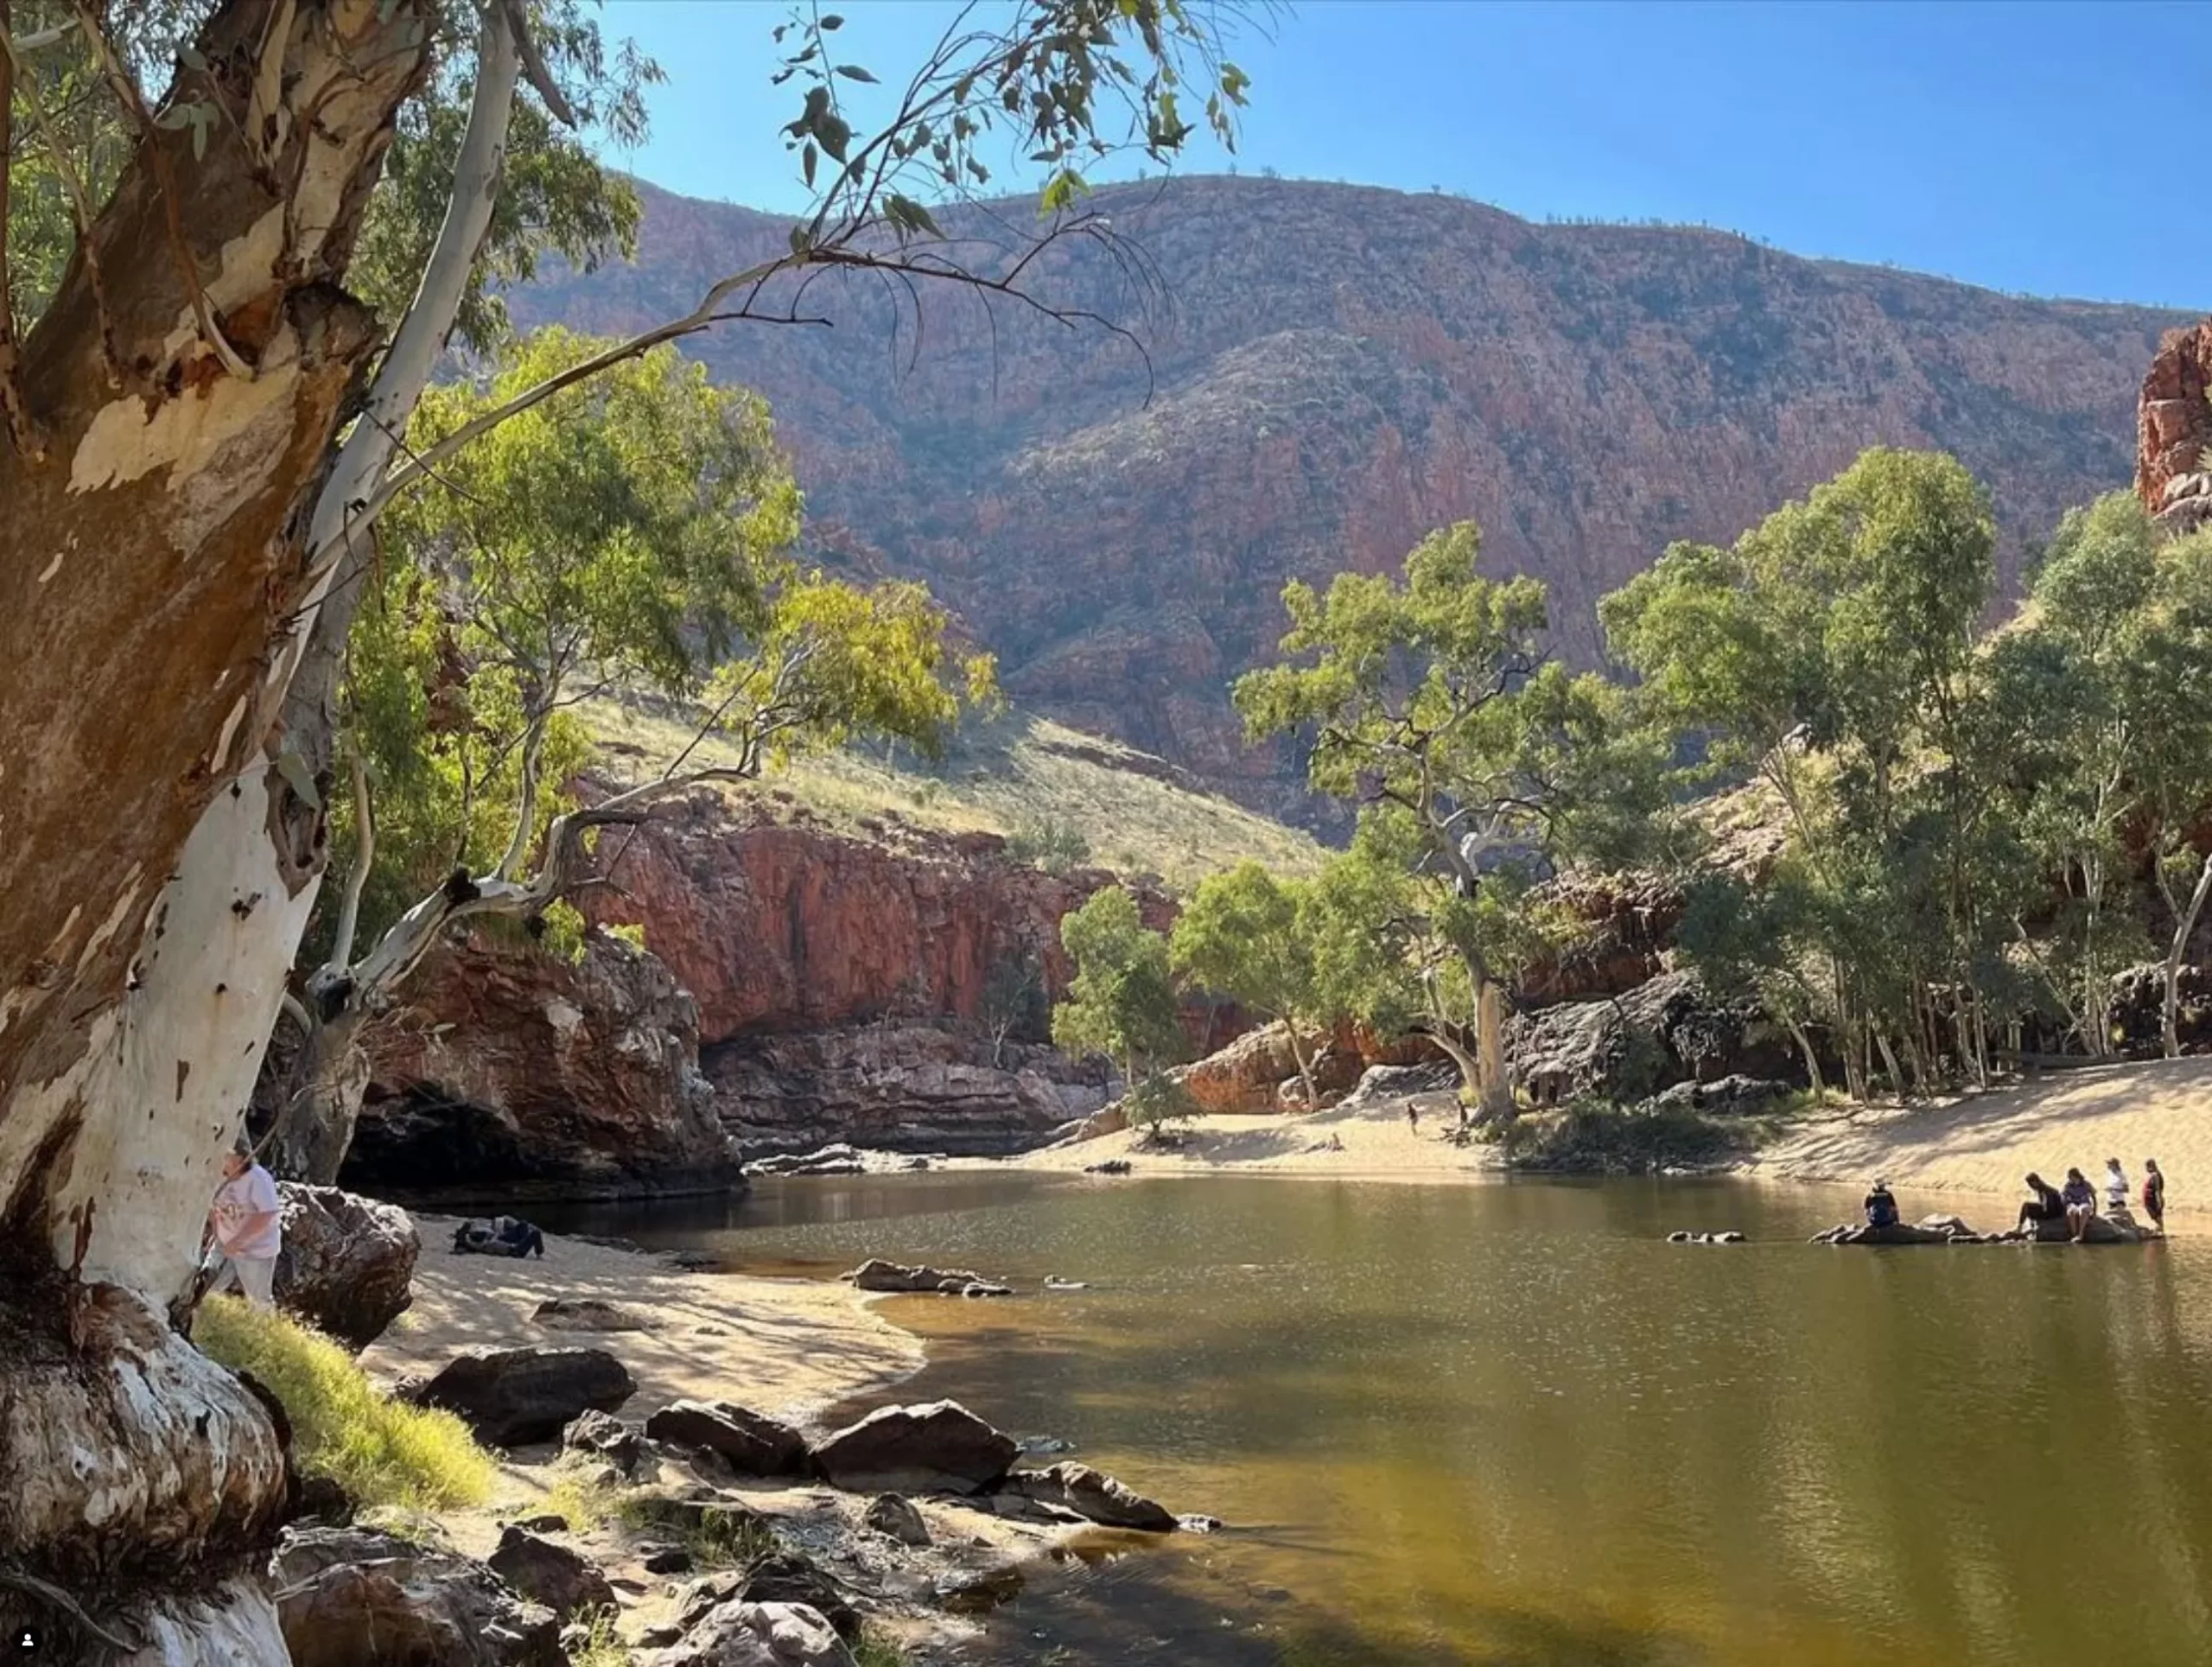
[[244, 1231], [2115, 1188]]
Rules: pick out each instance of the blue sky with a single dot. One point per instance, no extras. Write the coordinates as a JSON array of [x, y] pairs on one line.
[[2048, 148]]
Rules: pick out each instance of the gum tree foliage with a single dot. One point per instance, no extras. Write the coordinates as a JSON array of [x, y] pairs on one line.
[[1830, 655], [630, 533], [1121, 1002], [202, 425], [1429, 699]]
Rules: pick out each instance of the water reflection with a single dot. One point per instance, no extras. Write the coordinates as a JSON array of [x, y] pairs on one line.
[[1508, 1424]]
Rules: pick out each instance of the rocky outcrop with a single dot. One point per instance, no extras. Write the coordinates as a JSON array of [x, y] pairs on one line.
[[511, 1072], [938, 1447], [844, 985], [741, 1634], [2173, 432], [353, 1597], [512, 1398], [1258, 1072], [1346, 368], [346, 1263], [1667, 1031]]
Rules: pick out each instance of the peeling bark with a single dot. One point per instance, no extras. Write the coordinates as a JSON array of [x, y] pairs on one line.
[[150, 571]]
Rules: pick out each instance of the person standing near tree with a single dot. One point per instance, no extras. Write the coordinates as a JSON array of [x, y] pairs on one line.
[[245, 1230]]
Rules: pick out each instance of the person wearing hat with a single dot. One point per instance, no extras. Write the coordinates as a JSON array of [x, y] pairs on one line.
[[1881, 1205], [244, 1229]]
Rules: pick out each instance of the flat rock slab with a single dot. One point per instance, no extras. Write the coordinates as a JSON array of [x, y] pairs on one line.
[[512, 1398], [1093, 1495], [937, 1447]]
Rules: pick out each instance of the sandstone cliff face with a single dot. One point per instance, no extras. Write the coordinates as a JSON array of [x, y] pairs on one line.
[[860, 990], [1338, 370], [2173, 432], [511, 1073]]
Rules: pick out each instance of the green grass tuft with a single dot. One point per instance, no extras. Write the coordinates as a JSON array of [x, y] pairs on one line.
[[601, 1645], [380, 1451], [877, 1648], [724, 1536]]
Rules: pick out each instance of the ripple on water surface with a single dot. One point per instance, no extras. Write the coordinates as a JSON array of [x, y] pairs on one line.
[[1507, 1424]]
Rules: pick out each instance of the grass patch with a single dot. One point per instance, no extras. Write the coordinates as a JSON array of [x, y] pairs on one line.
[[717, 1537], [585, 1503], [1052, 790], [601, 1645], [877, 1648], [381, 1452]]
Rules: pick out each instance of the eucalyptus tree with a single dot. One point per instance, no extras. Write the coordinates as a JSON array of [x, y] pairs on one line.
[[1432, 700], [202, 425]]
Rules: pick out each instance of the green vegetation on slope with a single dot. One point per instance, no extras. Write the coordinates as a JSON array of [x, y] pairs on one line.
[[1009, 775], [379, 1450]]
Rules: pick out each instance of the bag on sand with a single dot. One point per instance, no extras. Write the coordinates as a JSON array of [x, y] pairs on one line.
[[501, 1236]]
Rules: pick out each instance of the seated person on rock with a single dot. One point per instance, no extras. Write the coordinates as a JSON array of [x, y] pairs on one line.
[[2081, 1199], [1881, 1206], [2045, 1206]]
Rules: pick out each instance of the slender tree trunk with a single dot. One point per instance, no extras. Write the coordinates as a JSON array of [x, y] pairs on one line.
[[1298, 1051], [1812, 1059], [1889, 1064], [2184, 927], [1496, 1086]]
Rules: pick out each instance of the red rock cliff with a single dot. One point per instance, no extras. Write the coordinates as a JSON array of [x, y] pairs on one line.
[[2173, 432]]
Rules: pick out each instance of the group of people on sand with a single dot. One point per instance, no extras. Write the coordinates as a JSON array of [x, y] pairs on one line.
[[2074, 1203]]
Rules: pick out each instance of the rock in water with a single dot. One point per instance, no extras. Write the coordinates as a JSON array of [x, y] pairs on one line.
[[939, 1446], [894, 1514], [350, 1597], [347, 1262], [511, 1398], [1092, 1495], [877, 1275], [753, 1445], [741, 1634], [555, 1575]]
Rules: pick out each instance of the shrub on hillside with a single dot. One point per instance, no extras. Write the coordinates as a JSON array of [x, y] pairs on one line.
[[380, 1451], [1049, 844]]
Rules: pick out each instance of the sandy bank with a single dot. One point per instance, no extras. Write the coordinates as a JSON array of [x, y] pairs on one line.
[[2160, 1108], [786, 1347], [1371, 1142]]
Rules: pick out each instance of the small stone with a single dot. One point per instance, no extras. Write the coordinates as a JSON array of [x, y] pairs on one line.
[[894, 1514], [550, 1522], [668, 1559]]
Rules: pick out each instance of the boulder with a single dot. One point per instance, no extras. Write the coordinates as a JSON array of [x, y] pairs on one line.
[[741, 1634], [587, 1313], [877, 1275], [1092, 1495], [938, 1446], [1667, 1031], [511, 1398], [1902, 1233], [555, 1575], [753, 1444], [789, 1577], [351, 1597], [604, 1436], [895, 1514], [347, 1262]]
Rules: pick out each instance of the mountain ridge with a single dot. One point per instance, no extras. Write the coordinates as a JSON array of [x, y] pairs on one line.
[[1336, 370]]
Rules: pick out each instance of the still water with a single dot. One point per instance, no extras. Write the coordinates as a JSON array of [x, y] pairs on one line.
[[1507, 1424]]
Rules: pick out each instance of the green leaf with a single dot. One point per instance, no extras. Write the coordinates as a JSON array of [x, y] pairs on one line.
[[806, 164], [853, 72], [835, 134], [802, 240], [831, 21], [299, 778], [199, 138]]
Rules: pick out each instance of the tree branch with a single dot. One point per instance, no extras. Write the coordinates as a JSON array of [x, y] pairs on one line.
[[365, 855]]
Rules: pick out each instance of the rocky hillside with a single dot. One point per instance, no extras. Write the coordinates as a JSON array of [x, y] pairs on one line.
[[1332, 371]]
